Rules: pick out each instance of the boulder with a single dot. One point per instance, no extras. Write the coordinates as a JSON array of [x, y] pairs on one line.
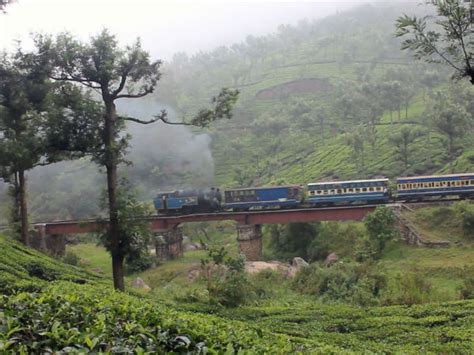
[[254, 267], [139, 283], [331, 259], [193, 274], [298, 262], [192, 246]]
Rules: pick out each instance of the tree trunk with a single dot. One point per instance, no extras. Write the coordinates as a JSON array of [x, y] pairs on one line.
[[450, 147], [23, 207], [118, 274], [15, 215], [111, 162]]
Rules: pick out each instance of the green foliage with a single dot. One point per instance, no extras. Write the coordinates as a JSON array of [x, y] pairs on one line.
[[431, 328], [294, 239], [402, 142], [134, 229], [409, 288], [467, 289], [226, 281], [70, 318], [71, 258], [25, 269], [343, 282], [445, 38], [465, 210], [380, 227]]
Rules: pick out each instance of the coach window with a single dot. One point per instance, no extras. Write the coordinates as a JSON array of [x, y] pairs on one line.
[[339, 191], [371, 189]]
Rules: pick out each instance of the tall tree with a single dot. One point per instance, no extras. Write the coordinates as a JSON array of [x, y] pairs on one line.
[[451, 120], [34, 113], [116, 73], [446, 38], [402, 142]]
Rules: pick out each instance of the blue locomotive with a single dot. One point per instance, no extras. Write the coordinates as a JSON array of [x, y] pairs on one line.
[[188, 201], [318, 194]]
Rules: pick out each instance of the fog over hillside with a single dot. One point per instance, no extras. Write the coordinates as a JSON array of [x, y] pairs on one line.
[[165, 27], [164, 157]]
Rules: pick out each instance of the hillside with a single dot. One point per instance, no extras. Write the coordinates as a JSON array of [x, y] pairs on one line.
[[326, 99], [306, 94], [89, 316]]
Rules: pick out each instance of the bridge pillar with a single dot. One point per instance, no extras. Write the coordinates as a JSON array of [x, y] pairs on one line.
[[249, 237], [169, 243], [54, 244]]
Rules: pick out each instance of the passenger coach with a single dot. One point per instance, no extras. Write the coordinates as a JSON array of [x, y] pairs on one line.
[[423, 187], [348, 192], [262, 197]]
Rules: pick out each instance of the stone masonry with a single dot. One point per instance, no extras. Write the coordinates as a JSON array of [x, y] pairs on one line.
[[249, 238], [169, 244]]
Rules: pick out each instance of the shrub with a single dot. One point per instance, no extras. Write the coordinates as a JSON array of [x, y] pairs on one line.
[[467, 289], [365, 250], [380, 227], [226, 281], [344, 282], [292, 239], [466, 211], [71, 258], [36, 269], [138, 264], [409, 288]]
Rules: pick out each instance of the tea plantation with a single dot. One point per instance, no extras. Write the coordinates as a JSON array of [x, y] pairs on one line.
[[49, 306]]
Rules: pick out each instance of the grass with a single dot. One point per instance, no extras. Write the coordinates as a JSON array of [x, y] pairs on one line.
[[92, 256]]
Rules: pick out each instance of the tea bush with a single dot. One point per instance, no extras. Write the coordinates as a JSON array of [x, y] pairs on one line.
[[66, 317]]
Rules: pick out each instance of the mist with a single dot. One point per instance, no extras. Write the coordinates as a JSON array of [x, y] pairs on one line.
[[164, 157], [165, 27]]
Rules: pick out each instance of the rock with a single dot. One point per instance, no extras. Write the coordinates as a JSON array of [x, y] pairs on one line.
[[193, 274], [331, 259], [253, 267], [299, 262], [139, 283], [192, 247]]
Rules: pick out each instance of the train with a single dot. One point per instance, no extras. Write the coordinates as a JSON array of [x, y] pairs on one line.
[[317, 194]]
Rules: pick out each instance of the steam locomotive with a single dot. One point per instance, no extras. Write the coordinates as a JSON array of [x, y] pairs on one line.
[[319, 194]]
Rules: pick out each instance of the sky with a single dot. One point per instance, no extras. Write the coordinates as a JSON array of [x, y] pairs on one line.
[[165, 27]]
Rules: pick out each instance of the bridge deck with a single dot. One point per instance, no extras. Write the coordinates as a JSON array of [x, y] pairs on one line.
[[160, 222]]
